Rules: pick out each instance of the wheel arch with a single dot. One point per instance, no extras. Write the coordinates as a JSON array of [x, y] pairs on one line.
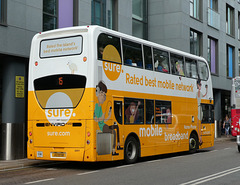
[[194, 132], [133, 134]]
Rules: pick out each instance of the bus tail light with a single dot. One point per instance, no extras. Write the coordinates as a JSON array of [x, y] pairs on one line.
[[88, 134], [31, 141], [88, 142], [84, 59], [30, 133]]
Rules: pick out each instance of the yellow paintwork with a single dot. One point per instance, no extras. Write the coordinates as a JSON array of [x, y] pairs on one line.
[[76, 147]]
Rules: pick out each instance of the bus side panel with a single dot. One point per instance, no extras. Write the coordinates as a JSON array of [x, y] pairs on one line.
[[235, 118], [207, 132]]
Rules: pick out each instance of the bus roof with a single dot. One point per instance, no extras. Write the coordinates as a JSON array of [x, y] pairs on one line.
[[62, 32]]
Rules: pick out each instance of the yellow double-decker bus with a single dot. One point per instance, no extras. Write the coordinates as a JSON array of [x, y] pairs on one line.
[[99, 95]]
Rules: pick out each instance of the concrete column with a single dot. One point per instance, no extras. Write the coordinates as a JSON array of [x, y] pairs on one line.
[[217, 110], [12, 128], [217, 105]]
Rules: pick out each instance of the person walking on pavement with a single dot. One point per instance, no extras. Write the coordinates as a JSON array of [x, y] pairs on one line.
[[226, 125]]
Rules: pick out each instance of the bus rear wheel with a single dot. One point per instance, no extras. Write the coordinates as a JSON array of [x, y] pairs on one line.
[[131, 150], [193, 143]]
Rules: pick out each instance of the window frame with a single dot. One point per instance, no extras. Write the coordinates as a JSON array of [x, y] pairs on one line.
[[232, 62], [102, 12], [196, 9], [119, 118], [107, 17], [187, 60], [238, 61], [145, 64], [54, 16], [230, 20], [210, 113], [147, 109], [198, 67], [213, 5], [163, 114], [127, 104], [141, 20], [3, 13], [238, 25], [119, 49], [173, 65], [196, 46], [155, 51], [209, 58], [129, 57]]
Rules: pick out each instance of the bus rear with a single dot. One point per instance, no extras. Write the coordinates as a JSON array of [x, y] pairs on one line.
[[59, 100]]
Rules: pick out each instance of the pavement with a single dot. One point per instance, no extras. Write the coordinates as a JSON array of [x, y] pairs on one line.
[[6, 165]]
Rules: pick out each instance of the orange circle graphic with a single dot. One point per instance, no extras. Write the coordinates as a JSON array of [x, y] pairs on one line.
[[112, 70]]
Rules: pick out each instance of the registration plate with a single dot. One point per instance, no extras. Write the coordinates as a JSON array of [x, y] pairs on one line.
[[58, 155]]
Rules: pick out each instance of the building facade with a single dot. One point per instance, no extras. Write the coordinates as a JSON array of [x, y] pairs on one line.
[[205, 28], [210, 29]]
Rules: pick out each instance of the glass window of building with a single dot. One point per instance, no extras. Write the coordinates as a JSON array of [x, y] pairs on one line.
[[212, 54], [196, 9], [238, 25], [213, 4], [230, 20], [102, 13], [195, 42], [239, 62], [230, 61], [139, 16], [213, 15], [1, 67], [50, 13], [3, 12]]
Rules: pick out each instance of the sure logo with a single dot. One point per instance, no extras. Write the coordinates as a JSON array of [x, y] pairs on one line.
[[54, 112], [111, 69]]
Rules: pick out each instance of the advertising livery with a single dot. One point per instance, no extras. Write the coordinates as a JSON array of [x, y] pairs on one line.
[[99, 95]]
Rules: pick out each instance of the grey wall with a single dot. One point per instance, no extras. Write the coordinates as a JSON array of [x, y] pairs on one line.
[[24, 19]]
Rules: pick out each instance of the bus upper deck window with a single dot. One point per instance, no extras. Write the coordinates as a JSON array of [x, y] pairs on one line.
[[177, 64], [191, 68], [202, 70], [161, 61], [114, 53], [132, 54], [148, 57]]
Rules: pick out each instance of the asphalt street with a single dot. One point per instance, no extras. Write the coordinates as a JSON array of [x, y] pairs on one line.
[[217, 165]]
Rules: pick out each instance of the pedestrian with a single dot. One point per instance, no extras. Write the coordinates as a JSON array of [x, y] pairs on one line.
[[226, 125]]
